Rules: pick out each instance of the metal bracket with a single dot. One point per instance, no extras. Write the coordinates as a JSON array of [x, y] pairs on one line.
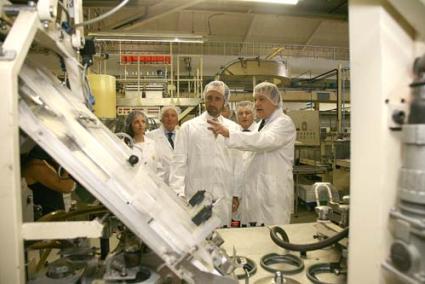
[[397, 114], [7, 55]]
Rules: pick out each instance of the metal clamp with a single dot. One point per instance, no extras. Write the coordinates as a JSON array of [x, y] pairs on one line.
[[248, 265], [7, 55]]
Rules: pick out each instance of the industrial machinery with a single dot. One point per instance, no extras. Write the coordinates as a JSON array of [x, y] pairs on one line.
[[57, 115], [332, 229], [406, 260]]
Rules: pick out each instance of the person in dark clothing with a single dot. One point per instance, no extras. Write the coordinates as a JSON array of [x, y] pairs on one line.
[[43, 176]]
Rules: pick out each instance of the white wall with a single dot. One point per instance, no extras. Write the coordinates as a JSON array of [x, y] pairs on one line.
[[382, 54]]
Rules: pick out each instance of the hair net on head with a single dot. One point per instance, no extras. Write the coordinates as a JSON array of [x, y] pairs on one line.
[[130, 118], [219, 87], [165, 108], [270, 91], [244, 104]]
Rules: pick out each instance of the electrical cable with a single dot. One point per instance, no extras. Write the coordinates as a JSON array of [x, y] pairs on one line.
[[270, 259], [65, 10], [280, 238], [90, 100], [126, 138], [103, 16]]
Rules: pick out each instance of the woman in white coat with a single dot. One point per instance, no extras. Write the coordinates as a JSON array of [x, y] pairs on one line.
[[267, 179], [136, 124]]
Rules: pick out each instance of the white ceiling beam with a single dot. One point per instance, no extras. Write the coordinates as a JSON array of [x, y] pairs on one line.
[[249, 29], [310, 37], [280, 13], [274, 52], [155, 12]]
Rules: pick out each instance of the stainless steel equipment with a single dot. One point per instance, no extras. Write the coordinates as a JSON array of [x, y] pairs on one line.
[[58, 118], [406, 261]]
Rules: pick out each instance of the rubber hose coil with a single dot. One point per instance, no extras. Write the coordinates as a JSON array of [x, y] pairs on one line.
[[332, 267], [280, 238], [273, 258], [248, 266]]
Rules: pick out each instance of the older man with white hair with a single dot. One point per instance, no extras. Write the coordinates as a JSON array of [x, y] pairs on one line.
[[165, 137], [245, 113], [245, 116], [268, 181], [202, 161]]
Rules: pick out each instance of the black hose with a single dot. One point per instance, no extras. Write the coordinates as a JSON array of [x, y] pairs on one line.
[[318, 268], [283, 241], [270, 259]]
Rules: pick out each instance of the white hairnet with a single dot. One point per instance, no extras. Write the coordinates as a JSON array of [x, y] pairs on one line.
[[219, 87], [244, 104], [130, 118], [165, 108], [270, 91]]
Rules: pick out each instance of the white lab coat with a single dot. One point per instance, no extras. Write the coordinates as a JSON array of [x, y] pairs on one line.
[[202, 162], [165, 151], [148, 154], [253, 127], [242, 164], [266, 181]]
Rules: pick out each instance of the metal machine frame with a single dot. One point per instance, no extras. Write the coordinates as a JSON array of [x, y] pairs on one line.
[[91, 154]]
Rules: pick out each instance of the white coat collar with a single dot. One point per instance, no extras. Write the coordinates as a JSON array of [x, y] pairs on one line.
[[165, 131], [274, 115], [253, 127], [206, 116]]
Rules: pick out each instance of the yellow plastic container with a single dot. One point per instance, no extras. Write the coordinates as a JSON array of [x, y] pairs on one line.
[[104, 91]]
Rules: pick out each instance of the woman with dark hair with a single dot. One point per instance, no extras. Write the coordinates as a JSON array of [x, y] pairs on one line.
[[135, 126], [42, 175]]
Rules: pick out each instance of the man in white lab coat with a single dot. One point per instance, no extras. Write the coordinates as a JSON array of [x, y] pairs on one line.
[[165, 137], [268, 181], [202, 161], [245, 113]]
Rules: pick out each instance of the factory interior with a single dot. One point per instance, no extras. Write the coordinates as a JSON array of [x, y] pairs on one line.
[[80, 201]]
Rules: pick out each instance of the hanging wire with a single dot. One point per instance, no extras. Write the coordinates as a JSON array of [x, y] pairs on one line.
[[103, 16]]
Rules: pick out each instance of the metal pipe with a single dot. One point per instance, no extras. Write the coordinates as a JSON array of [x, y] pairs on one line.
[[103, 16], [321, 76], [60, 215], [338, 99]]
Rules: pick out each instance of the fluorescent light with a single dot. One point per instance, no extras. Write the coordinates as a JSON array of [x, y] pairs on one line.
[[285, 2], [148, 40], [134, 37]]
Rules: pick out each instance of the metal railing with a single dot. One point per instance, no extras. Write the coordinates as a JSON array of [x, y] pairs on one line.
[[242, 49]]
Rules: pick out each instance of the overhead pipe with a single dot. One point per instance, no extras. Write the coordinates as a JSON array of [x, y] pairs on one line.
[[321, 76], [334, 72]]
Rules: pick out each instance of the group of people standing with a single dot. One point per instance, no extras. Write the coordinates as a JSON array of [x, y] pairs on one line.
[[245, 167]]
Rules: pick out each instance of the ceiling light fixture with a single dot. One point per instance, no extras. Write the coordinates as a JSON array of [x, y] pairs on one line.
[[133, 37], [176, 40], [284, 2]]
